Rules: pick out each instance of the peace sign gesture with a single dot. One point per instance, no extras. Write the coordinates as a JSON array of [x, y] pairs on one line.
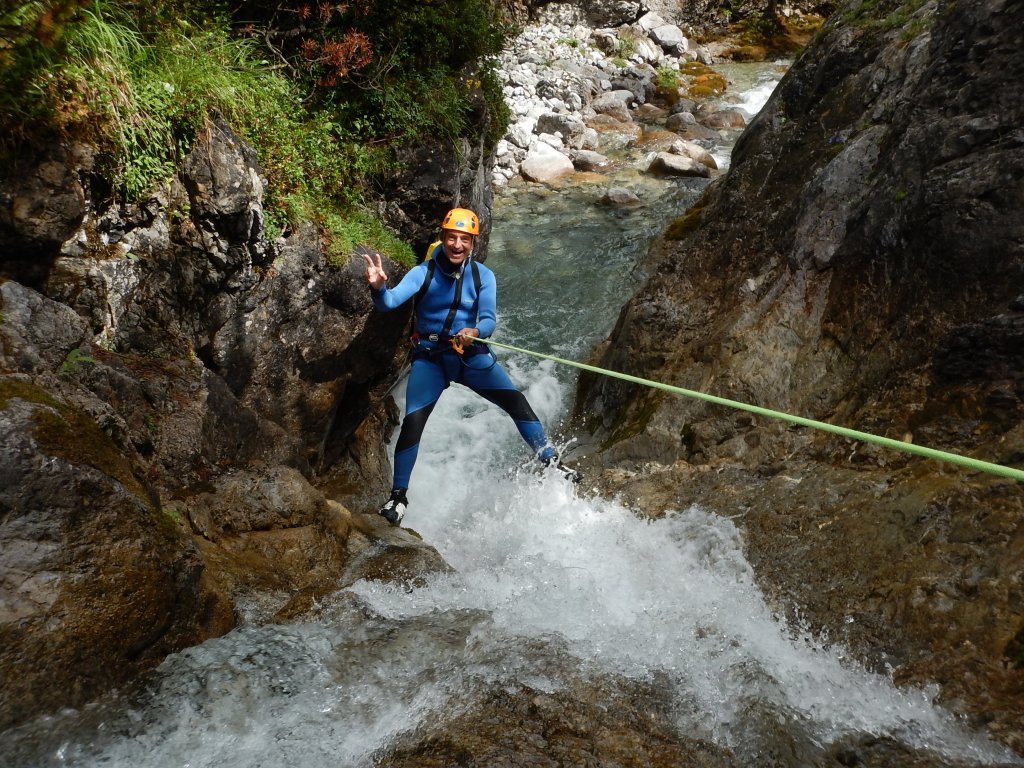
[[375, 274]]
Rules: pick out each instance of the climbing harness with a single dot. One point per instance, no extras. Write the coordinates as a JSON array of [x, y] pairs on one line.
[[853, 434]]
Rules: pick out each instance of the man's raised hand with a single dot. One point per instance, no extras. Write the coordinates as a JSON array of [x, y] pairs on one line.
[[375, 274]]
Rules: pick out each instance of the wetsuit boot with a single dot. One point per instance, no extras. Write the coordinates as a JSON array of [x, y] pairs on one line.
[[552, 461], [394, 508]]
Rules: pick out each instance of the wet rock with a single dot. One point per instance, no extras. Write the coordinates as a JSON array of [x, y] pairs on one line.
[[851, 268], [649, 112], [379, 551], [724, 118], [165, 359], [654, 139], [598, 722], [99, 582], [585, 160], [620, 197], [691, 130], [615, 136], [821, 228], [545, 163], [694, 151], [668, 164], [267, 536]]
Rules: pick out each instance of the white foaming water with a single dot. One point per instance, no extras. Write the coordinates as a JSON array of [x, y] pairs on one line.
[[751, 100], [673, 597]]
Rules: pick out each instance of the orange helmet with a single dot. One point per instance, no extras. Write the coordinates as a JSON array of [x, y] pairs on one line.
[[462, 220]]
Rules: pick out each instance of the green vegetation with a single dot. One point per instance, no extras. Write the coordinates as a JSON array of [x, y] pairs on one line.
[[886, 15], [666, 78], [74, 361], [626, 47], [325, 95]]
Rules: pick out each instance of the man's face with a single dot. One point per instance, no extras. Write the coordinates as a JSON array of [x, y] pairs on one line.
[[457, 246]]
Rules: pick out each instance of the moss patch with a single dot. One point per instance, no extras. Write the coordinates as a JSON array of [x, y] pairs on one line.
[[761, 39], [70, 434], [25, 390], [685, 225], [627, 427]]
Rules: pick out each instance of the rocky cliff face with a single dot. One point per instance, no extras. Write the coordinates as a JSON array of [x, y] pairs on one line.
[[179, 400], [861, 263]]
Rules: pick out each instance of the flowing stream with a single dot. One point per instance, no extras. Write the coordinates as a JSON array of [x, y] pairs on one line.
[[549, 582]]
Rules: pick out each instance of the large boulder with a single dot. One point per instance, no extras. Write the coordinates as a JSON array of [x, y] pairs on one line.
[[571, 128], [670, 38], [614, 105], [97, 581], [670, 164], [545, 163], [859, 264]]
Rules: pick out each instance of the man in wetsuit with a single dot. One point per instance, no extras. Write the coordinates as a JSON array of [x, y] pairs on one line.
[[455, 303]]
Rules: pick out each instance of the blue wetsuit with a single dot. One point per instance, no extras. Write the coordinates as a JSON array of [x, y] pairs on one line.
[[435, 364]]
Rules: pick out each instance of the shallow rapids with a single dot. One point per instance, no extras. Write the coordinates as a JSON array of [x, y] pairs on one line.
[[550, 582]]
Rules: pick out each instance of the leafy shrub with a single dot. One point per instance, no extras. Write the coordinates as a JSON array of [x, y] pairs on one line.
[[138, 80]]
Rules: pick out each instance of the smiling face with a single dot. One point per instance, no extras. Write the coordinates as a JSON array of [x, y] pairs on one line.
[[457, 246]]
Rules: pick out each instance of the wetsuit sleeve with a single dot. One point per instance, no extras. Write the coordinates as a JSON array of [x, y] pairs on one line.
[[487, 307], [385, 299]]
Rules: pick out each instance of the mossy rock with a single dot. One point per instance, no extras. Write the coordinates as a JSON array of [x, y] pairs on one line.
[[695, 68], [71, 434], [701, 92], [748, 53], [682, 227]]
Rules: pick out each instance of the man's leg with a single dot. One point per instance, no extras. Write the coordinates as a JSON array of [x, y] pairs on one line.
[[426, 383], [493, 384]]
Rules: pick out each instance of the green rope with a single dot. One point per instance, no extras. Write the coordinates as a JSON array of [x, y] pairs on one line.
[[853, 434]]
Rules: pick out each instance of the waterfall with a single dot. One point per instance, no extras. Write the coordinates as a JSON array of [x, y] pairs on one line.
[[550, 582]]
